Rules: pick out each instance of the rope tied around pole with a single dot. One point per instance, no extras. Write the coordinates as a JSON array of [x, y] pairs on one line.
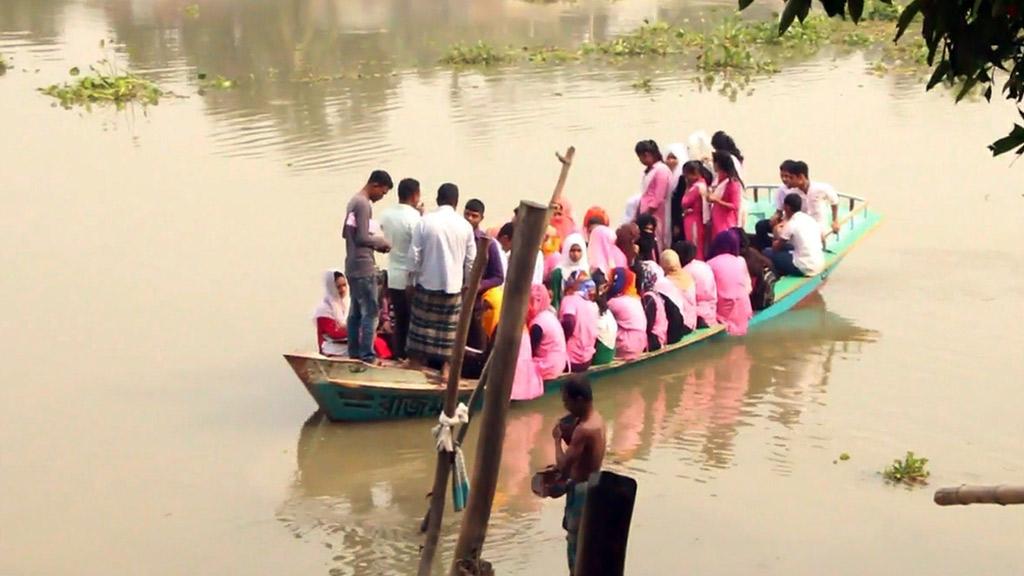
[[443, 431]]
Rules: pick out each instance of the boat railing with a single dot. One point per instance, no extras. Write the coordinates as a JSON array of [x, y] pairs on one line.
[[858, 206]]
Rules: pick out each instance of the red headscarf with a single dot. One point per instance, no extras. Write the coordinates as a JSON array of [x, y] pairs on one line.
[[596, 212]]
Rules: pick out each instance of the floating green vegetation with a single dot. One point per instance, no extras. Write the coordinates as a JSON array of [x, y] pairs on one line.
[[217, 82], [192, 11], [643, 84], [105, 87], [3, 64], [909, 471], [732, 49], [479, 54]]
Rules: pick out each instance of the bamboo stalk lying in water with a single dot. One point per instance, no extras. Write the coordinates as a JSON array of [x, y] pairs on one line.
[[451, 397], [965, 495]]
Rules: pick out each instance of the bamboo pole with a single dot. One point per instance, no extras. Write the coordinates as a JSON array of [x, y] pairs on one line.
[[451, 397], [529, 233], [965, 495]]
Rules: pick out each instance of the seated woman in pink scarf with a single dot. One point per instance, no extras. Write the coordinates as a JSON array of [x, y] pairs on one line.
[[732, 281], [579, 317], [602, 252], [631, 338], [547, 340], [527, 383], [705, 291]]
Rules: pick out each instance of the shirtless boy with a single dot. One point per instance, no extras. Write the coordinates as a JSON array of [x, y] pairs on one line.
[[583, 457]]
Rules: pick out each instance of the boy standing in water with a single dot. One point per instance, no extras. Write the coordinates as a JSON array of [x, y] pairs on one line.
[[584, 456]]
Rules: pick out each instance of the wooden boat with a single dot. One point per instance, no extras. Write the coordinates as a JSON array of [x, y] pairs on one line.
[[350, 390]]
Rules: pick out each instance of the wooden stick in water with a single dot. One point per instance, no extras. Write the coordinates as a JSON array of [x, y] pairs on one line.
[[451, 397], [529, 233], [965, 495], [566, 161]]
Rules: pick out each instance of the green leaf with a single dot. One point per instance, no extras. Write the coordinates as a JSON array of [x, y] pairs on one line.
[[745, 3], [74, 71], [1007, 143], [907, 16], [832, 7], [856, 8], [793, 9], [939, 74]]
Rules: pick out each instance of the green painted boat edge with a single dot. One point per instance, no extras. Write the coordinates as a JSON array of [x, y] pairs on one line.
[[375, 403]]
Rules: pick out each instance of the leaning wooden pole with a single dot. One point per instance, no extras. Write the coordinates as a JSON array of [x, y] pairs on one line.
[[451, 398], [963, 495], [529, 233]]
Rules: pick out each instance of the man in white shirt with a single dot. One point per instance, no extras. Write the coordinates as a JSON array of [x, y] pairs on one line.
[[398, 223], [820, 198], [764, 227], [443, 250], [801, 231]]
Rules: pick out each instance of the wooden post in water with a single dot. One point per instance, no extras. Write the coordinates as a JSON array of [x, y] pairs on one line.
[[964, 495], [531, 223], [451, 397], [604, 527], [529, 233]]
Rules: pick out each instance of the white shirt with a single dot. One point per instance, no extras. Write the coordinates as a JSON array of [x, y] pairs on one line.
[[780, 197], [399, 223], [632, 205], [818, 203], [538, 269], [443, 250], [803, 232], [504, 262]]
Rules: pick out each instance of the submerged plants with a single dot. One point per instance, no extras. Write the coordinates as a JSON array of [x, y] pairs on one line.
[[105, 86], [910, 471]]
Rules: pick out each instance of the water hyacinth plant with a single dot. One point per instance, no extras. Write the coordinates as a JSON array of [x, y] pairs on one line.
[[910, 471], [105, 86]]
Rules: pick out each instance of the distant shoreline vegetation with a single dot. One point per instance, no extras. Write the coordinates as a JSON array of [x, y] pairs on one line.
[[733, 47]]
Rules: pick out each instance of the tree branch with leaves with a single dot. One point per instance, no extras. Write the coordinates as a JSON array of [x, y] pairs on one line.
[[970, 43]]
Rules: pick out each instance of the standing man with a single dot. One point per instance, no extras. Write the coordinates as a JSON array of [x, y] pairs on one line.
[[494, 273], [443, 249], [584, 456], [398, 223], [360, 266]]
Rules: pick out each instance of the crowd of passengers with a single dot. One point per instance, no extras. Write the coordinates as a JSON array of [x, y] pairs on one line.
[[679, 260]]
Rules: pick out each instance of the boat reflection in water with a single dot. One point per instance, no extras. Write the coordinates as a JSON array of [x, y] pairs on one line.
[[360, 490]]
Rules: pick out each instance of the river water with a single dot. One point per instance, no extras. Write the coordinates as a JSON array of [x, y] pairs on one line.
[[157, 263]]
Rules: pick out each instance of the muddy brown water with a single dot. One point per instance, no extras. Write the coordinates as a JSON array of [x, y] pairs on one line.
[[158, 262]]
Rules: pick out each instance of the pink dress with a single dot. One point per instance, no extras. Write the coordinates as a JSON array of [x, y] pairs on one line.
[[602, 252], [631, 338], [654, 193], [551, 357], [705, 291], [582, 343], [660, 327], [527, 383], [723, 218], [733, 283], [693, 216]]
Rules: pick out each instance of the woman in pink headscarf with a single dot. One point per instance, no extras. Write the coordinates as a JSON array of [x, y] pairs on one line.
[[579, 317], [527, 383], [561, 217], [732, 281], [547, 340], [624, 304], [602, 252], [654, 191]]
